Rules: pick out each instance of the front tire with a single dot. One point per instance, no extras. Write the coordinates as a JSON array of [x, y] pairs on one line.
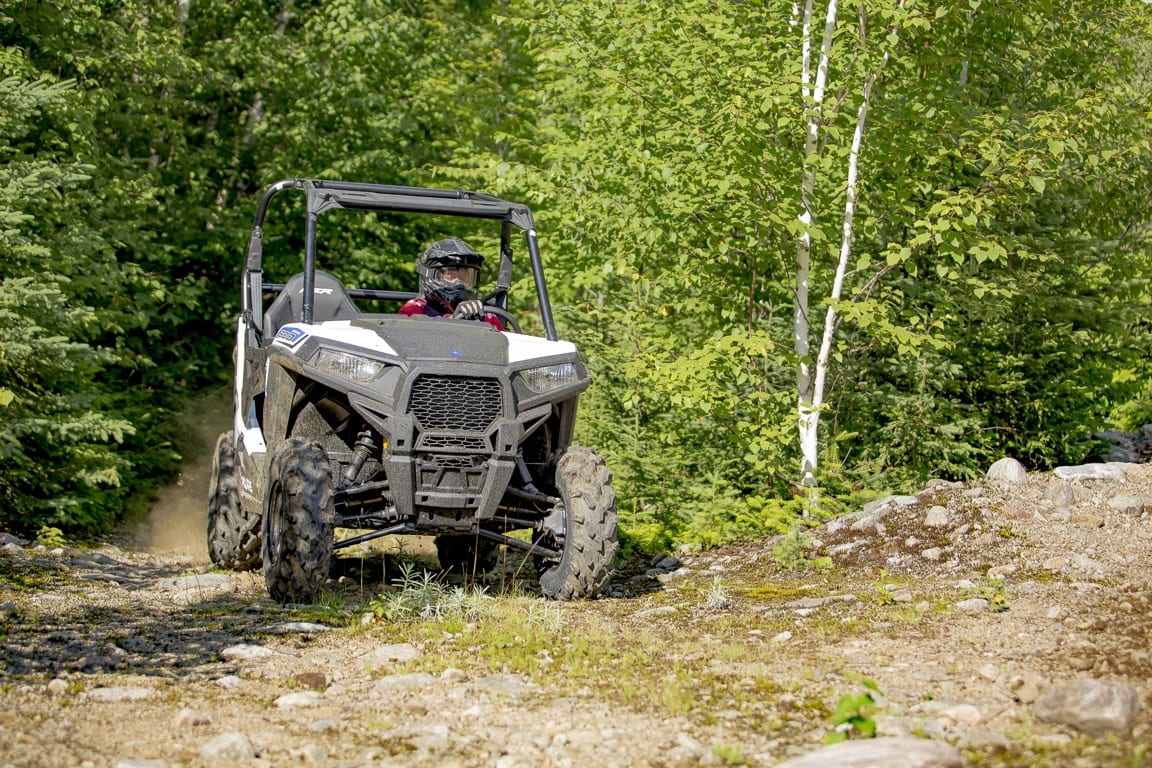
[[298, 522], [589, 541], [233, 535]]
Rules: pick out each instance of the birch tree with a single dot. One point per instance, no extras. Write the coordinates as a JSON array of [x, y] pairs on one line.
[[811, 384]]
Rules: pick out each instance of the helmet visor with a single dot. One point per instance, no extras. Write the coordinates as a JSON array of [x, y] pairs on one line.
[[467, 277]]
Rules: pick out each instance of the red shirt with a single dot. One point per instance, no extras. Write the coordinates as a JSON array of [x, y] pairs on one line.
[[421, 307]]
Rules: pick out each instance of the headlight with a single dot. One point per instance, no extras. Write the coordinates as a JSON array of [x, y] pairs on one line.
[[549, 377], [351, 367]]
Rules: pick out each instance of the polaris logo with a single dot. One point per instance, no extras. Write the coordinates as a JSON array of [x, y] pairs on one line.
[[291, 336], [321, 291]]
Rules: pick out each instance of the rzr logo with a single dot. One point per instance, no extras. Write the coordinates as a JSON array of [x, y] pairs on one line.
[[322, 291]]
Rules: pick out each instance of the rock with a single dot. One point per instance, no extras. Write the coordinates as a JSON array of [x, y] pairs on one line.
[[1085, 565], [231, 682], [233, 747], [1110, 472], [314, 680], [57, 687], [7, 538], [199, 581], [964, 714], [886, 752], [937, 517], [119, 694], [453, 675], [188, 718], [246, 652], [131, 763], [1096, 707], [311, 754], [783, 637], [296, 627], [1130, 504], [394, 653], [1060, 493], [298, 700], [504, 685], [933, 554], [972, 605], [1006, 472], [402, 682]]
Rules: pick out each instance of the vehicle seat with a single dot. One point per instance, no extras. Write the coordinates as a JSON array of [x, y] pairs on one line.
[[330, 301]]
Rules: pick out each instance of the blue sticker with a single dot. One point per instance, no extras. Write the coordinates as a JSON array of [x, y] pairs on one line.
[[456, 352], [290, 335]]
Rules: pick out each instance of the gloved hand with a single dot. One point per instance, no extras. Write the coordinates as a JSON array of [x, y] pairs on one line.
[[469, 309]]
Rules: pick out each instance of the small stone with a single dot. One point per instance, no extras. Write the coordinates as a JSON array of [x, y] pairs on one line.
[[246, 652], [964, 714], [923, 607], [1096, 707], [233, 747], [1060, 494], [453, 675], [1110, 472], [298, 700], [932, 554], [199, 581], [1027, 686], [297, 627], [131, 763], [1006, 472], [57, 687], [120, 694], [230, 682], [395, 653], [188, 718], [783, 637], [972, 605], [402, 682], [1130, 504], [990, 672], [311, 754], [937, 517], [1086, 520], [314, 680], [888, 752]]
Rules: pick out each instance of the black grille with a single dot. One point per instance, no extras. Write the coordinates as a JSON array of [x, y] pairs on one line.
[[456, 403], [431, 442]]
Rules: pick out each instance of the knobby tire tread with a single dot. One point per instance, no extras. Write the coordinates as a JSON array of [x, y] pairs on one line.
[[233, 535]]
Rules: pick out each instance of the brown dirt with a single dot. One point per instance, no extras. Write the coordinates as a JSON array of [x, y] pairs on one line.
[[733, 659]]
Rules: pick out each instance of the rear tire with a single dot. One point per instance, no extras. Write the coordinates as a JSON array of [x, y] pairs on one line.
[[233, 536], [588, 548], [466, 554], [298, 522]]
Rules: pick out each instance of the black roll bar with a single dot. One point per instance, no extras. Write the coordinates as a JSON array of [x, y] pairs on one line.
[[325, 195]]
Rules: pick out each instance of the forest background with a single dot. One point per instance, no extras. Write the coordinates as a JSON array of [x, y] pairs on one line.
[[919, 230]]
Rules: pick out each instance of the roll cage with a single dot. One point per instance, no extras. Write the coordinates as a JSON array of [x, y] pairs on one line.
[[324, 196]]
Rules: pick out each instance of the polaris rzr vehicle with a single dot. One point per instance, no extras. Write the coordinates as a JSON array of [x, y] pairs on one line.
[[391, 424]]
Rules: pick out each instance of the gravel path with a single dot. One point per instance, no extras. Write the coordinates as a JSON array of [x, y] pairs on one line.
[[1001, 624]]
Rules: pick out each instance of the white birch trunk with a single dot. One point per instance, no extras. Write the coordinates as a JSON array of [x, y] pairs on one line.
[[808, 418], [809, 407]]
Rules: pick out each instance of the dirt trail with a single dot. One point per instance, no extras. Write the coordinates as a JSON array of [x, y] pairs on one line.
[[967, 606], [177, 520]]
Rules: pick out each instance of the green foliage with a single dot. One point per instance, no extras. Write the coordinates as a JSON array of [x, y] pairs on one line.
[[422, 597], [853, 715], [997, 301]]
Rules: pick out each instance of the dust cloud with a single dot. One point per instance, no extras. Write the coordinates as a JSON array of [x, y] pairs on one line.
[[177, 522]]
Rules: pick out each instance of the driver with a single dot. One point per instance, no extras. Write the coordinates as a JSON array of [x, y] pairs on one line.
[[449, 272]]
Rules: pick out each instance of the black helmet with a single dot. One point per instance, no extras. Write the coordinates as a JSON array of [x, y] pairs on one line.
[[449, 272]]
